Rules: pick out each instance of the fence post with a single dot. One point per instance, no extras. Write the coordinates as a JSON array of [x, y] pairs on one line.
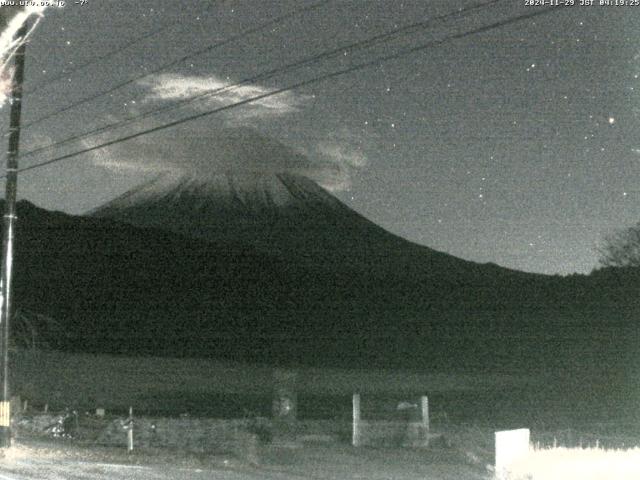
[[130, 431], [285, 402], [356, 420], [285, 407], [424, 404]]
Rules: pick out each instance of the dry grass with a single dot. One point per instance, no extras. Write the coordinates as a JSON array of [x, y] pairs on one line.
[[114, 382], [562, 463]]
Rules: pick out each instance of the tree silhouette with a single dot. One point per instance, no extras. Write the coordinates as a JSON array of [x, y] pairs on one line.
[[622, 248]]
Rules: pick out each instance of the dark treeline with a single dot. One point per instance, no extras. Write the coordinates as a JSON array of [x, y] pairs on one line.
[[115, 288]]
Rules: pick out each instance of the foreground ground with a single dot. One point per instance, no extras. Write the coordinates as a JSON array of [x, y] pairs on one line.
[[574, 408], [52, 461], [456, 451]]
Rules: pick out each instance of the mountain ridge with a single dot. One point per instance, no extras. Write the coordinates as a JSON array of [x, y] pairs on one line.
[[117, 288], [305, 221]]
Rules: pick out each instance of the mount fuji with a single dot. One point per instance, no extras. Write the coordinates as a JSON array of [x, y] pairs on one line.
[[282, 214], [264, 264], [261, 194], [345, 284]]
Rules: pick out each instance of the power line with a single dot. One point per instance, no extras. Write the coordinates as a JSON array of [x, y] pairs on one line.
[[366, 43], [64, 73], [327, 76], [402, 53], [209, 48]]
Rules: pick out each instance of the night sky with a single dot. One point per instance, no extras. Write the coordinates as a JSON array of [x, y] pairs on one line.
[[517, 145]]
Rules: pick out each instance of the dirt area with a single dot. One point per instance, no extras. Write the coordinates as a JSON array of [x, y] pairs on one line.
[[199, 438], [461, 455], [31, 458], [455, 451], [334, 462]]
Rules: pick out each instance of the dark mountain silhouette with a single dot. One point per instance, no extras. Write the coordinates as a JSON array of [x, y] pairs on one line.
[[285, 215], [366, 291], [355, 295], [123, 289], [262, 198]]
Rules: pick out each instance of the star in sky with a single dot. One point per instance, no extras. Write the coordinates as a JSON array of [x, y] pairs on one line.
[[432, 126]]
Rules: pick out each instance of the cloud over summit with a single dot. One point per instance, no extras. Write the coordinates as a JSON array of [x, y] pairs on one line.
[[242, 141], [212, 92]]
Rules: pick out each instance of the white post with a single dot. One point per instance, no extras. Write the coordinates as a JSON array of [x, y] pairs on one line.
[[424, 403], [130, 440], [511, 446], [130, 431], [356, 420]]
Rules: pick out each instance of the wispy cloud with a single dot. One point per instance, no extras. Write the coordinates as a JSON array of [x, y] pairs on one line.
[[239, 151], [237, 142], [347, 153], [343, 154], [210, 92]]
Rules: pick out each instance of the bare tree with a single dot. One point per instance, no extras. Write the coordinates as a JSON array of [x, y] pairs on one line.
[[622, 248], [35, 331]]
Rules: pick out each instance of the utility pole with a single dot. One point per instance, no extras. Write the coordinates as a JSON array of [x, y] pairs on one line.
[[8, 236]]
